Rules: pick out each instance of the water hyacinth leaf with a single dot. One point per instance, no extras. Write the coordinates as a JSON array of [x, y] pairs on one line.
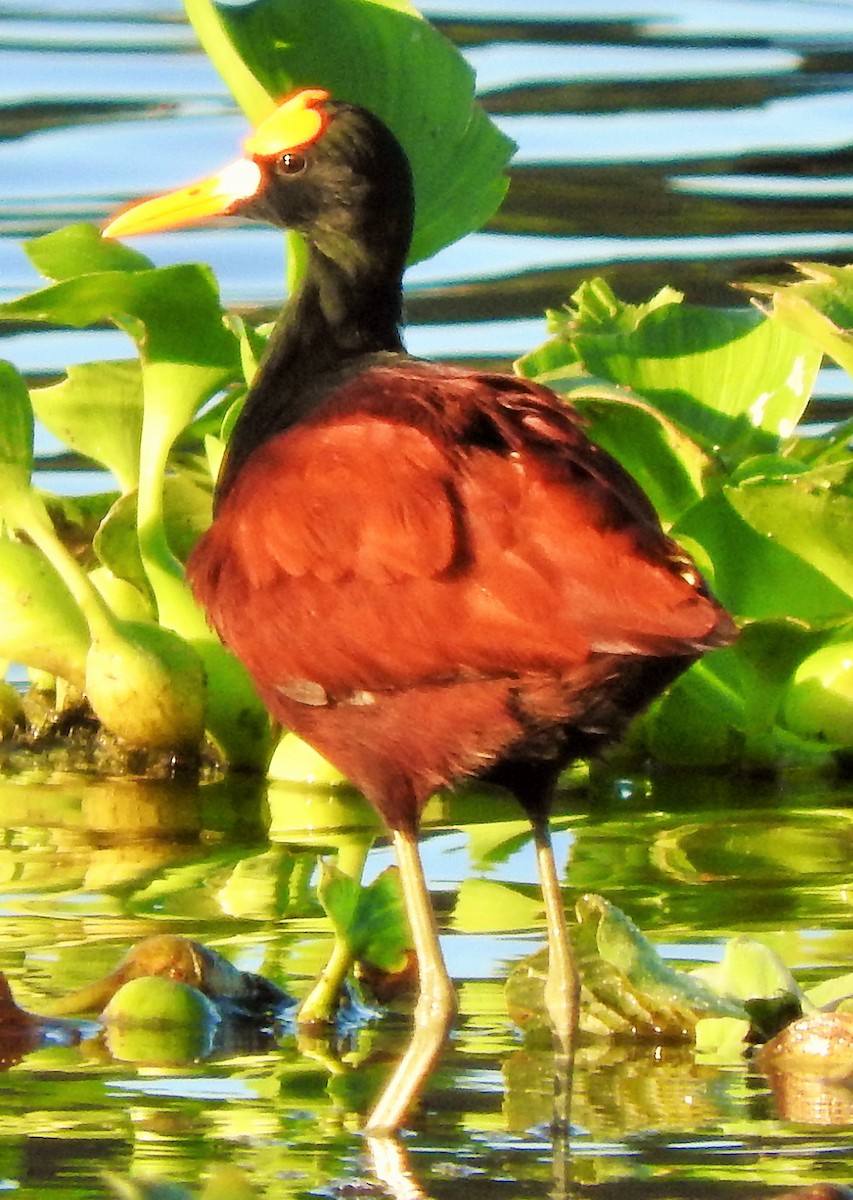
[[117, 545], [809, 513], [668, 465], [725, 376], [370, 920], [593, 308], [187, 508], [234, 716], [126, 601], [699, 721], [767, 654], [76, 520], [159, 1022], [722, 1040], [187, 353], [188, 511], [830, 993], [16, 436], [294, 761], [818, 702], [749, 970], [727, 709], [555, 361], [175, 317], [97, 411], [147, 685], [820, 306], [80, 250], [386, 57], [744, 559], [833, 446]]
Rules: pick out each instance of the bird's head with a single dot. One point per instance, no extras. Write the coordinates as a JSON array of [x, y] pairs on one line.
[[329, 170]]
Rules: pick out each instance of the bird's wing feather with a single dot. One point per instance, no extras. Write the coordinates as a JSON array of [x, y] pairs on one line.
[[365, 551]]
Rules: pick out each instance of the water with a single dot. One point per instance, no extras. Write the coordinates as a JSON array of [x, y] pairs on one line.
[[671, 142], [91, 867]]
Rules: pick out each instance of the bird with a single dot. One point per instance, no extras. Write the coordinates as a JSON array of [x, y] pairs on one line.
[[430, 572]]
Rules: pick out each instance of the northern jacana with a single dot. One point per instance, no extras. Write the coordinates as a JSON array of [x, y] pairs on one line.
[[430, 573]]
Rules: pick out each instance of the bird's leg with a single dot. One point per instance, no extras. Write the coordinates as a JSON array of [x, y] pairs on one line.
[[436, 1004], [391, 1167], [562, 983]]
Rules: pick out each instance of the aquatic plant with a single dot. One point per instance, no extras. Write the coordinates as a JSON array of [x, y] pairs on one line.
[[704, 406]]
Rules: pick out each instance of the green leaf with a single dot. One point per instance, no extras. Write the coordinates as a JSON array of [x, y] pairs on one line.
[[42, 625], [819, 700], [722, 1039], [173, 313], [187, 353], [80, 250], [726, 376], [754, 575], [749, 970], [148, 686], [294, 761], [766, 655], [208, 20], [699, 721], [831, 992], [727, 708], [16, 436], [370, 921], [809, 513], [186, 515], [820, 307], [386, 57], [97, 411], [668, 465]]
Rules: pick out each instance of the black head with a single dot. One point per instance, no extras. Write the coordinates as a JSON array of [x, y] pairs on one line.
[[329, 170]]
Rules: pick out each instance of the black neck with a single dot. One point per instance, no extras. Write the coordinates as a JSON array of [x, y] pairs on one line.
[[341, 313]]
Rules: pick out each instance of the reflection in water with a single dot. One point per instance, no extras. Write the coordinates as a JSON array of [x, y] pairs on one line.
[[289, 1106]]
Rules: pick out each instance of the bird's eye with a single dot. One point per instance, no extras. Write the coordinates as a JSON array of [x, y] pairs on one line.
[[292, 162]]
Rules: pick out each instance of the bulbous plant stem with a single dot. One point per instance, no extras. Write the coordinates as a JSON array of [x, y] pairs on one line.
[[145, 684]]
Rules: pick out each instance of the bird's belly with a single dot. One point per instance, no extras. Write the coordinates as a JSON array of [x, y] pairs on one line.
[[400, 746]]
